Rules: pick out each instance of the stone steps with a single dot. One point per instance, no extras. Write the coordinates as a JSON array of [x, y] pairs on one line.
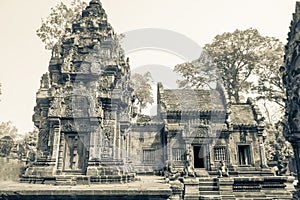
[[208, 188], [66, 180], [210, 197]]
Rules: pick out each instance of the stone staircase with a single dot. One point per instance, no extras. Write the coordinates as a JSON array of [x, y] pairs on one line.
[[66, 180], [208, 188]]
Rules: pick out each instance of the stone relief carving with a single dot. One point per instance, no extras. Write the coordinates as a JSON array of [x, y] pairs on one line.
[[68, 126], [243, 136], [108, 132], [55, 108], [67, 61]]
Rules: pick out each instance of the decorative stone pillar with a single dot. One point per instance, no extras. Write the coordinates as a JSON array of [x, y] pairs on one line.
[[169, 150], [263, 162]]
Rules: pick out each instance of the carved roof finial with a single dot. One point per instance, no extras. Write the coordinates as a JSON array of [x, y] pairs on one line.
[[96, 2], [297, 7]]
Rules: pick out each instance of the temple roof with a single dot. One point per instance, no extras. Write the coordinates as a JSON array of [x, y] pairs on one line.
[[192, 100], [242, 114]]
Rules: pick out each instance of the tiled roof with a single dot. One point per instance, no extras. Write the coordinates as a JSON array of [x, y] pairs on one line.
[[192, 100], [242, 114]]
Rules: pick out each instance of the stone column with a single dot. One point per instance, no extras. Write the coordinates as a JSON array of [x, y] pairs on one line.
[[94, 151], [56, 145], [95, 144], [169, 150], [129, 145], [262, 154]]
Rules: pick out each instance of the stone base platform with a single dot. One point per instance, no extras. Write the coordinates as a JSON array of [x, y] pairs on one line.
[[146, 187], [78, 179]]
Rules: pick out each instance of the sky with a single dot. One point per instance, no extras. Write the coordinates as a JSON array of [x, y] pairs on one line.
[[24, 59]]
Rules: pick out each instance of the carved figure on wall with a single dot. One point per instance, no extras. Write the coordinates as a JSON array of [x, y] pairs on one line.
[[45, 84], [67, 63], [56, 51], [106, 150], [243, 136], [55, 108]]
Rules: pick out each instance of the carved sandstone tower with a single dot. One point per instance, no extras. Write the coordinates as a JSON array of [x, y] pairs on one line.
[[291, 79], [83, 105]]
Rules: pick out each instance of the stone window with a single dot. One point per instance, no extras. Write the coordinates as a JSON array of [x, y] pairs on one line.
[[244, 155], [178, 154], [148, 155], [220, 153]]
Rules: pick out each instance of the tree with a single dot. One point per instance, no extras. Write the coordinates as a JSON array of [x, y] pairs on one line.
[[200, 73], [8, 129], [8, 133], [6, 144], [236, 56], [29, 144], [142, 89], [276, 146], [59, 22], [270, 86]]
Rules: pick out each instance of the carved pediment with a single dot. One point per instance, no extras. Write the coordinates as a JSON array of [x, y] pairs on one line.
[[199, 132], [77, 125]]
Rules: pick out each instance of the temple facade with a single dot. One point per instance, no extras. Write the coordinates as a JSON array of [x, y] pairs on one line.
[[83, 104], [89, 131], [291, 75]]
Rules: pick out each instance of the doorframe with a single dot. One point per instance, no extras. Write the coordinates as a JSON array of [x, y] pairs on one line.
[[204, 146], [83, 169]]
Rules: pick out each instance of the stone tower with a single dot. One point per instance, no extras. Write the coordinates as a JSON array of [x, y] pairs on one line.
[[291, 79], [83, 106]]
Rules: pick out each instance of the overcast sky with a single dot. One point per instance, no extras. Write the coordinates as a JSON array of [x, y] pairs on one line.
[[24, 60]]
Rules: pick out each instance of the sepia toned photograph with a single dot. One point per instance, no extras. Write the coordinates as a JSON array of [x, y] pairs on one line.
[[151, 100]]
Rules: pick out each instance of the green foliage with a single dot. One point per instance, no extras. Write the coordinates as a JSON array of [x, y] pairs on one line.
[[59, 22], [8, 129], [8, 134], [29, 144], [270, 86], [200, 73], [142, 89], [277, 148], [239, 57], [6, 144]]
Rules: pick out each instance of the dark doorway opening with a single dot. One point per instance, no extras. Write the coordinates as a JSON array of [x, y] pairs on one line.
[[244, 155], [75, 153], [199, 157]]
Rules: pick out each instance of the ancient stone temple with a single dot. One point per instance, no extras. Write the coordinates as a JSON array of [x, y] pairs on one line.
[[291, 80], [200, 144], [83, 104]]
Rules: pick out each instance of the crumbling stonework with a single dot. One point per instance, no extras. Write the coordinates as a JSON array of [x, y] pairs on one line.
[[291, 78], [203, 146]]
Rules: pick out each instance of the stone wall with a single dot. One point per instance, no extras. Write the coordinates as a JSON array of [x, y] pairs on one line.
[[146, 150], [244, 138], [10, 169]]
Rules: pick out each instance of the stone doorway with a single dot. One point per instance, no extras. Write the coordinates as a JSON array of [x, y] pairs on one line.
[[199, 157], [75, 153]]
